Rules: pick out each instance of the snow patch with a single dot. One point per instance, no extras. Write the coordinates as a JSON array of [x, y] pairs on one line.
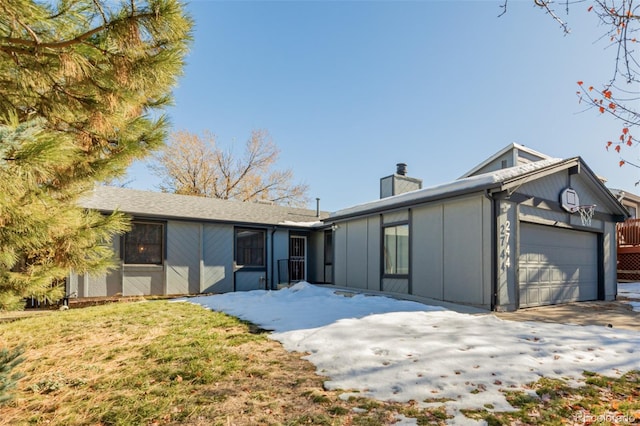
[[397, 350]]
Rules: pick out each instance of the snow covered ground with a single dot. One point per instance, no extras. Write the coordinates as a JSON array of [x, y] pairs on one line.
[[630, 291], [396, 350]]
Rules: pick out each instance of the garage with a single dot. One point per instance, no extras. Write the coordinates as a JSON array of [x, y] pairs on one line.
[[556, 265]]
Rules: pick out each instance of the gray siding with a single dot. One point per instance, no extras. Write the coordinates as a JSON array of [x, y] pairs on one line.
[[399, 216], [280, 252], [315, 257], [464, 244], [250, 280], [525, 157], [395, 285], [217, 264], [103, 284], [610, 261], [496, 164], [199, 259], [547, 187], [358, 247], [340, 254], [183, 257], [427, 241], [143, 280], [450, 252], [373, 253]]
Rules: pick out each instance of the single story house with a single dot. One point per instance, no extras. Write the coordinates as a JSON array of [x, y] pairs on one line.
[[504, 236], [521, 229], [186, 245]]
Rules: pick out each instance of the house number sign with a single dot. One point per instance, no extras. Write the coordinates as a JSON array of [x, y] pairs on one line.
[[505, 247]]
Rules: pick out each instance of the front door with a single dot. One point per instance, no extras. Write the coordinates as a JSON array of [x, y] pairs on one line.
[[297, 258]]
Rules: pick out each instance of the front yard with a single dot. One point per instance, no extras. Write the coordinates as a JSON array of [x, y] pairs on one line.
[[381, 361], [157, 363]]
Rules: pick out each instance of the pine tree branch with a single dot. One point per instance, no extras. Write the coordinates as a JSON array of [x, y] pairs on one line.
[[13, 50], [75, 40]]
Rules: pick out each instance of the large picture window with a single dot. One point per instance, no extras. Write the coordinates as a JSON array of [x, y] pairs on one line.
[[396, 250], [250, 247], [143, 244]]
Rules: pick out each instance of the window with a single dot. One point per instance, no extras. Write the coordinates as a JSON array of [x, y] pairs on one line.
[[396, 250], [143, 244], [328, 247], [250, 247]]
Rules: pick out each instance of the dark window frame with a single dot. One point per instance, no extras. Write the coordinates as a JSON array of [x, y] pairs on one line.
[[148, 248], [247, 258], [393, 269]]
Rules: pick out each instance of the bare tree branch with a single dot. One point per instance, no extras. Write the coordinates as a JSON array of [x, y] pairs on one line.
[[197, 166], [619, 97]]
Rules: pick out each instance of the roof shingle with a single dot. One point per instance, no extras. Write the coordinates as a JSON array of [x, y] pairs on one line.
[[173, 206]]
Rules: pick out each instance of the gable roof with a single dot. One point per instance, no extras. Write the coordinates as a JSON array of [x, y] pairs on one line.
[[621, 194], [172, 206], [497, 181], [515, 148]]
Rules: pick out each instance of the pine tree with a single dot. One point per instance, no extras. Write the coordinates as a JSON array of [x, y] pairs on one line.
[[82, 83]]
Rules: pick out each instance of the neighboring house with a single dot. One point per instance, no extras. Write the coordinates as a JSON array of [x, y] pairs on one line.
[[502, 237], [628, 238], [511, 155], [185, 245], [629, 200], [499, 238]]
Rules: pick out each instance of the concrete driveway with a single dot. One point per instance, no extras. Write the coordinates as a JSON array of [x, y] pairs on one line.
[[615, 314]]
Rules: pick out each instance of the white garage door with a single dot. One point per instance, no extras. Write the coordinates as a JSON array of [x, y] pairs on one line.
[[556, 265]]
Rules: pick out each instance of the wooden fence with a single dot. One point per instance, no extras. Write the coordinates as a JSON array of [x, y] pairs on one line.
[[628, 239]]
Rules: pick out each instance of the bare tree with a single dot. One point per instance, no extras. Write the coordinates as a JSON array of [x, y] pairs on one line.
[[619, 95], [196, 165]]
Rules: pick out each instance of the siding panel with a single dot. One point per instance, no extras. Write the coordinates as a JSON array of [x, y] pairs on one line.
[[340, 255], [217, 259], [395, 285], [357, 246], [183, 258], [250, 280], [373, 253], [463, 245], [427, 256], [142, 281]]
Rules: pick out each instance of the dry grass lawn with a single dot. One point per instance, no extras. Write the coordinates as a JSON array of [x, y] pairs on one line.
[[161, 363]]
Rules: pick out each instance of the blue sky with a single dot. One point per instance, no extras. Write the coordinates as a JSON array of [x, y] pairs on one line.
[[349, 89]]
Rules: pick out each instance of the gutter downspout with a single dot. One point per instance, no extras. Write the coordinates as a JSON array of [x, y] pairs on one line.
[[273, 257], [494, 250]]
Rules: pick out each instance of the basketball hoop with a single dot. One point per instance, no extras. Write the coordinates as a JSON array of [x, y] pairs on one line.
[[586, 213]]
